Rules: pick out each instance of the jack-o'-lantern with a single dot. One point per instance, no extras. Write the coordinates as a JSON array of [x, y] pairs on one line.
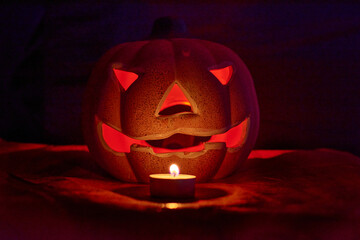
[[150, 104]]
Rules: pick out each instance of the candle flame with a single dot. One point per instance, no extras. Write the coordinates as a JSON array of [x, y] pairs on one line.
[[174, 170], [171, 205]]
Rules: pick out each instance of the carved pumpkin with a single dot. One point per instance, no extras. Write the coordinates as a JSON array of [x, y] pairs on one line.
[[150, 104]]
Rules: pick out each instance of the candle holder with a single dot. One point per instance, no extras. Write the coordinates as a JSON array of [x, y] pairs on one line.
[[173, 185]]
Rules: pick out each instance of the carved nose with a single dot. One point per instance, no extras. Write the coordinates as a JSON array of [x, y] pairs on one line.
[[175, 102]]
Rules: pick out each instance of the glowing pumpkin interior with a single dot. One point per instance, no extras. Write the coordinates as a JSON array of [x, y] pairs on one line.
[[154, 103]]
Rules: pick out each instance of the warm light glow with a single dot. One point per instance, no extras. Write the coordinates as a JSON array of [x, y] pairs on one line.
[[223, 74], [234, 137], [175, 97], [171, 205], [174, 170], [118, 141], [125, 78]]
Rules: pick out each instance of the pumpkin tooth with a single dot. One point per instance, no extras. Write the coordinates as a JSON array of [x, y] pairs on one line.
[[178, 141]]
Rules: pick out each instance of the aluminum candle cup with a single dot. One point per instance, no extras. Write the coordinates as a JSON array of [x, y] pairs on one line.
[[170, 186]]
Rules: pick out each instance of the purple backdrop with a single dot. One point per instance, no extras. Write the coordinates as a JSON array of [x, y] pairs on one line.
[[304, 58]]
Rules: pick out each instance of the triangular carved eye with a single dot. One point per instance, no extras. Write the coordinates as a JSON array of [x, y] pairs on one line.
[[125, 78], [223, 74]]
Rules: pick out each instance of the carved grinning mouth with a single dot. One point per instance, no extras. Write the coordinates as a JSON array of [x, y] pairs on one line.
[[177, 142]]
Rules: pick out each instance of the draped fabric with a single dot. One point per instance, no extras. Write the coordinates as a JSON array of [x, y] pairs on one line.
[[57, 192]]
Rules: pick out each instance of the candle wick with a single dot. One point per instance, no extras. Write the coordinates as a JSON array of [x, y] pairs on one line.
[[174, 170]]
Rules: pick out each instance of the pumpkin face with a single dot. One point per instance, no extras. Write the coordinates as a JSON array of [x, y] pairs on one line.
[[150, 104]]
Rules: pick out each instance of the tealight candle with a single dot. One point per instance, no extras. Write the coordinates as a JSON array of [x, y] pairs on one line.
[[173, 185]]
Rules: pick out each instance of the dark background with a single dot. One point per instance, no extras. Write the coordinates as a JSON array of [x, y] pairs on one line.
[[304, 59]]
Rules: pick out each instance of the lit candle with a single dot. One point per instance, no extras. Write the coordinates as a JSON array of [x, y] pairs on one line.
[[173, 185]]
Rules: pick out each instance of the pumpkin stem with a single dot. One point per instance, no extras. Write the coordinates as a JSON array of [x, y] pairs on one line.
[[168, 27]]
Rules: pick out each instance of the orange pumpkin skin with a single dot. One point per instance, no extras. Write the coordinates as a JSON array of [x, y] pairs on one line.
[[217, 108]]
